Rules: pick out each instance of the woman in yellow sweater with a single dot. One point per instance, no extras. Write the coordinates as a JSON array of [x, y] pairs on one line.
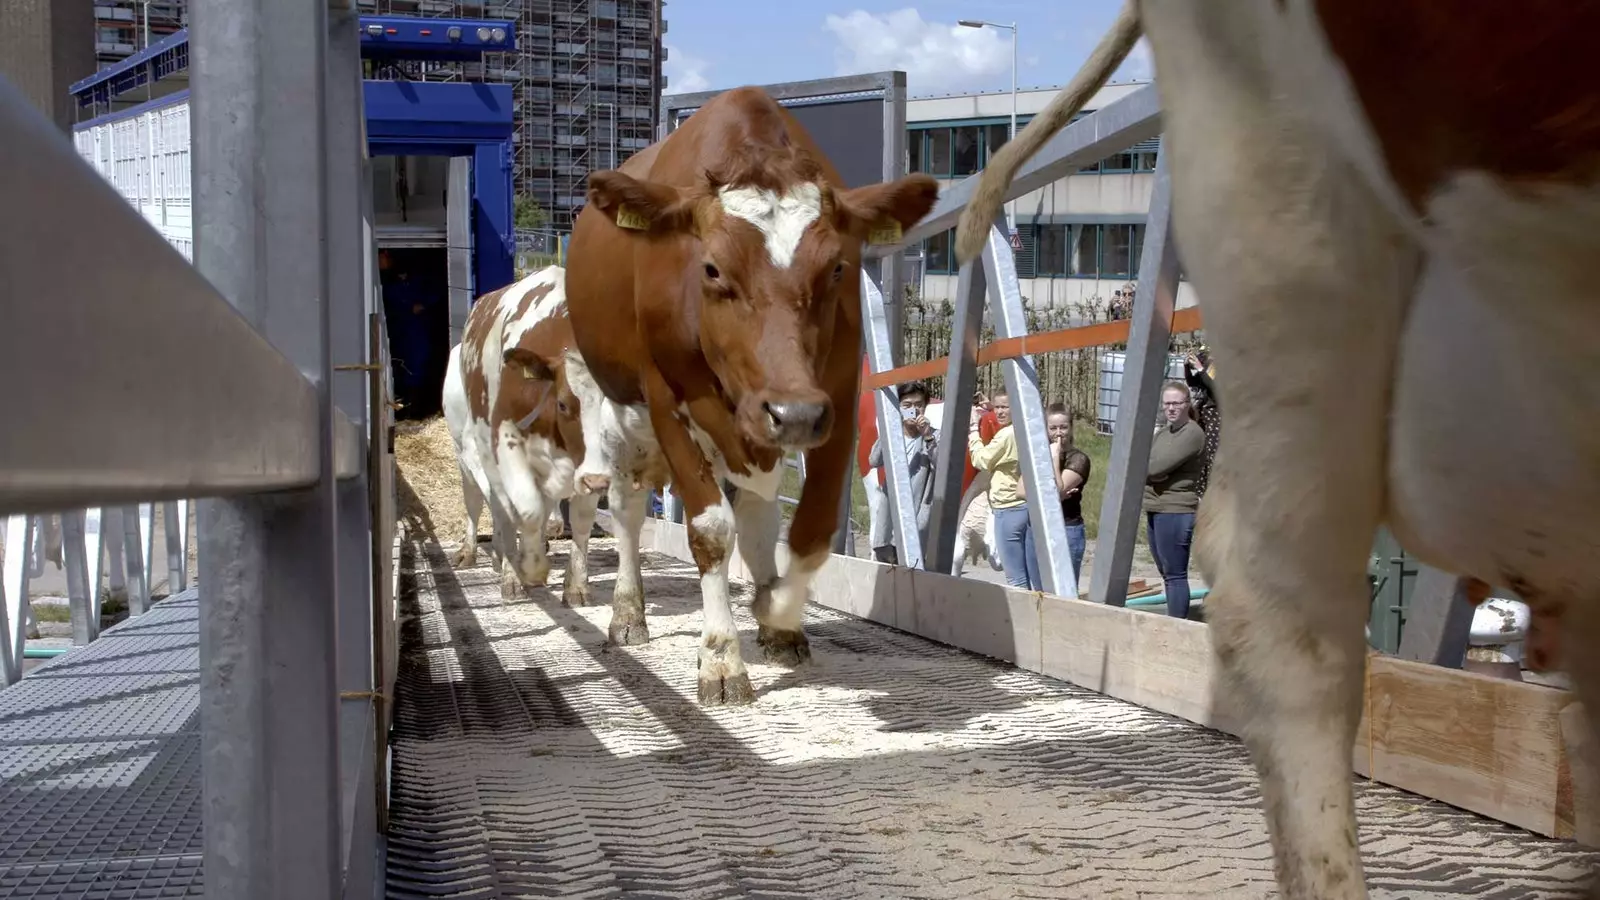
[[1012, 529]]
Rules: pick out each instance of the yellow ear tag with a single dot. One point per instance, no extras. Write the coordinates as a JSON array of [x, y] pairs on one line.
[[887, 231], [627, 218]]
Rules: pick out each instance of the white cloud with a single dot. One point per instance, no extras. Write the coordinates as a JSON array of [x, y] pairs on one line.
[[686, 74], [934, 55]]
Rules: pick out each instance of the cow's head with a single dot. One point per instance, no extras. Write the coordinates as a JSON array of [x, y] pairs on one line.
[[538, 392], [771, 259]]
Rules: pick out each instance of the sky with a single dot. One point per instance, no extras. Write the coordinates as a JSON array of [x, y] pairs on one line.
[[718, 44]]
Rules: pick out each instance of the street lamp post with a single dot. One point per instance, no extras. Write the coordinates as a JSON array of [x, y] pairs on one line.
[[1011, 207]]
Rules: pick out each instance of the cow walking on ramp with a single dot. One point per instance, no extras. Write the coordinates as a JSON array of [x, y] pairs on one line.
[[1390, 213], [531, 429], [714, 279]]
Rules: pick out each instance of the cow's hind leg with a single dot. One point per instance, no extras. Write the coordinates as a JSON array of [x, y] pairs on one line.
[[472, 498], [575, 586], [1304, 279], [628, 627]]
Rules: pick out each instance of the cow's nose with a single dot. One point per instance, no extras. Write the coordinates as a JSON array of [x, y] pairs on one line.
[[595, 484], [797, 424]]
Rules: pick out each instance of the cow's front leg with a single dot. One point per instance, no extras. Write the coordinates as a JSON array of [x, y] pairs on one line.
[[1304, 288], [581, 512], [723, 678], [628, 627], [758, 519]]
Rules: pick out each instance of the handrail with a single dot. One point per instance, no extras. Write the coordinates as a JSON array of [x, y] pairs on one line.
[[235, 415], [1111, 129], [1074, 338]]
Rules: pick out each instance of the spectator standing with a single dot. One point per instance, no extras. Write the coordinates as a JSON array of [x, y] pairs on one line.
[[921, 441], [1072, 473], [1013, 531], [1171, 496]]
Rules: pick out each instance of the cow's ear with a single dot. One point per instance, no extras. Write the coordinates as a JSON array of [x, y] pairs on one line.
[[529, 364], [639, 205], [880, 213]]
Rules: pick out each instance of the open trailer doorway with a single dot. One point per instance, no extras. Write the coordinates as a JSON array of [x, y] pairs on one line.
[[410, 211]]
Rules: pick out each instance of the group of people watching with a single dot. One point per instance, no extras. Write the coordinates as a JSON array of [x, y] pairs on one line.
[[1180, 463]]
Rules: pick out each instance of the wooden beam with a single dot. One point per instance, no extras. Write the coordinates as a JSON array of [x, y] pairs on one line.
[[1514, 751]]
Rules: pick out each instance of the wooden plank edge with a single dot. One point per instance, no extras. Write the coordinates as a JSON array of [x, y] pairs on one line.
[[1509, 750]]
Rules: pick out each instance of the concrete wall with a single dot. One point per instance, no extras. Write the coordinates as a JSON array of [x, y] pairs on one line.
[[44, 47]]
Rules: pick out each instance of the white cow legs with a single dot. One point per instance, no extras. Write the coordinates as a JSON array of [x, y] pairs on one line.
[[628, 627], [581, 510], [723, 677], [1304, 280], [473, 500]]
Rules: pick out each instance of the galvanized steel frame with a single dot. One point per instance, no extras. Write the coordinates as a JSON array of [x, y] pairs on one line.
[[271, 326]]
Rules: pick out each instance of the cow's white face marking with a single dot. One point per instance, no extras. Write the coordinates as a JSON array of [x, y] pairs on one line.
[[782, 219]]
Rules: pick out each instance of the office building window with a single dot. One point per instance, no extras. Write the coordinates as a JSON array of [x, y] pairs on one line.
[[939, 151], [937, 254], [1050, 250], [1085, 262], [965, 150], [995, 137]]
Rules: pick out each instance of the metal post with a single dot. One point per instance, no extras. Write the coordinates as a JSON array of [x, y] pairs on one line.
[[1149, 334], [1011, 207], [1438, 620], [269, 691], [892, 267], [1027, 419], [136, 561], [75, 559], [960, 381], [349, 339], [14, 597], [891, 431]]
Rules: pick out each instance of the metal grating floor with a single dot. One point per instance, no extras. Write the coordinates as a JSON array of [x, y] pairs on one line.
[[100, 766], [532, 761]]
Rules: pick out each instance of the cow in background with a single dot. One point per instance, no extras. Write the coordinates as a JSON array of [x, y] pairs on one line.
[[531, 428], [714, 279], [1390, 212]]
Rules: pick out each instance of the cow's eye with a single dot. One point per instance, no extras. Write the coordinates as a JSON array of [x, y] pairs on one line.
[[838, 271], [561, 406], [712, 272]]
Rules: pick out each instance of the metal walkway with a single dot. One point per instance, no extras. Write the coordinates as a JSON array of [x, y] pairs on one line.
[[100, 766], [532, 761]]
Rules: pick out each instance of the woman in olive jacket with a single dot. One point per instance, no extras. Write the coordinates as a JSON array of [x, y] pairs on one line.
[[1171, 493]]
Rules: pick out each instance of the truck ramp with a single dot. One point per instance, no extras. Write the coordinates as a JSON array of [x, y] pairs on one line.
[[531, 760]]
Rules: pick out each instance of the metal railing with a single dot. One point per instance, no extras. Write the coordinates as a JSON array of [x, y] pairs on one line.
[[117, 543], [247, 379]]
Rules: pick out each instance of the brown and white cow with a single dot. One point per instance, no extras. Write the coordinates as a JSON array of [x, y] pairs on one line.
[[1390, 210], [714, 278], [531, 428]]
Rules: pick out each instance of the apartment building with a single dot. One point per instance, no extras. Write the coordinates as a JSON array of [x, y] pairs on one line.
[[124, 27], [586, 81], [1081, 236]]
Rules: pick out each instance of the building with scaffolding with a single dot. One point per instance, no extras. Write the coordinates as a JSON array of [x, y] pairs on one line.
[[586, 81], [124, 27]]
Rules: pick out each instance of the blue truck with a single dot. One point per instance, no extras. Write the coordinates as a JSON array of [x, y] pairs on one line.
[[440, 162]]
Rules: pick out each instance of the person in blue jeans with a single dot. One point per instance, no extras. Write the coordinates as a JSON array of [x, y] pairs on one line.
[[1171, 493], [1072, 473], [1013, 532]]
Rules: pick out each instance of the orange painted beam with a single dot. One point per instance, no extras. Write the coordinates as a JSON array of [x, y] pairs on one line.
[[1184, 320]]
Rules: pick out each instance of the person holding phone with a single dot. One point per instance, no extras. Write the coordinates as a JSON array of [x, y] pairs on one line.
[[921, 441], [1013, 531]]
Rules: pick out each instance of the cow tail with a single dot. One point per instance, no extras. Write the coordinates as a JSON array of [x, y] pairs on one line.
[[980, 213]]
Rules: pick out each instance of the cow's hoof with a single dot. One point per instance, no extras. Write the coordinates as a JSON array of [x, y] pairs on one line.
[[537, 574], [575, 594], [512, 588], [628, 634], [466, 557], [729, 690], [761, 602], [783, 648]]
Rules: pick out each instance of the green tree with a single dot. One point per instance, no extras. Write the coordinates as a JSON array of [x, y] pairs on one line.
[[527, 214]]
